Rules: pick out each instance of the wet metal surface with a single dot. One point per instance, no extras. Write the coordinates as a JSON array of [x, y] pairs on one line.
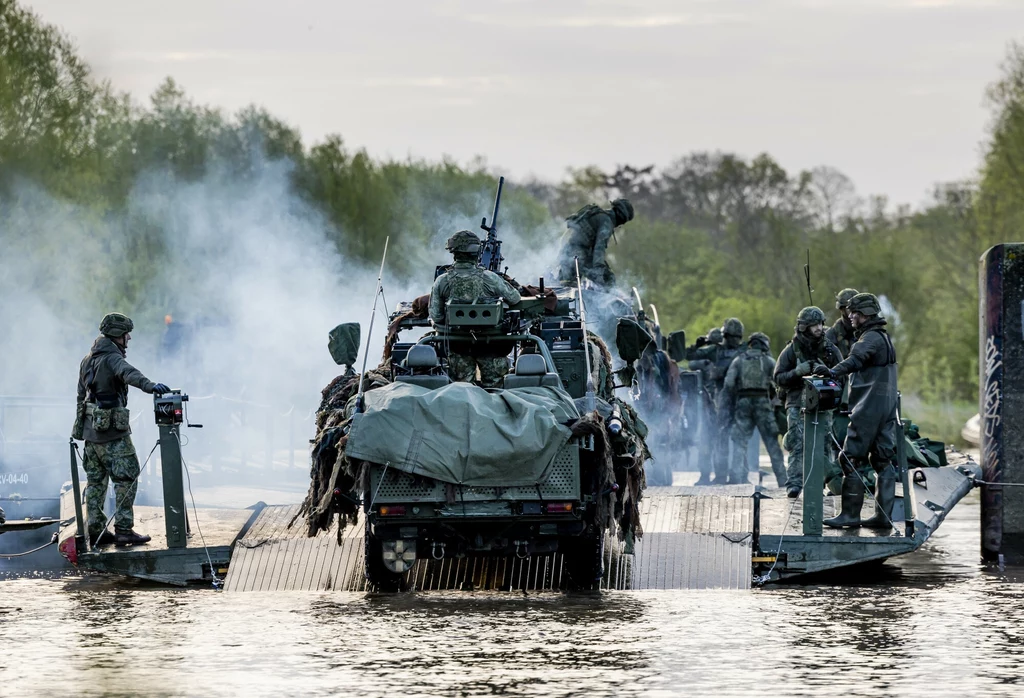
[[931, 624]]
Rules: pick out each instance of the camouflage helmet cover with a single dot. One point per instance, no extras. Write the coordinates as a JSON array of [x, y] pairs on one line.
[[811, 315], [844, 296], [464, 241], [760, 338], [865, 304], [623, 211], [732, 328], [116, 325], [715, 335]]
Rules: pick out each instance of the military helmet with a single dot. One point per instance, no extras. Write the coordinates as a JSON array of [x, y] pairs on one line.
[[865, 304], [760, 338], [623, 211], [116, 325], [844, 296], [715, 335], [732, 328], [464, 241], [811, 315]]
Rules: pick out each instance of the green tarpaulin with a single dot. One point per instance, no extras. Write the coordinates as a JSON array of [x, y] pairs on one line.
[[462, 433]]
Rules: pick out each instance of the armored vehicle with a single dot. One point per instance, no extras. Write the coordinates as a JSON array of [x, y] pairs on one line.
[[549, 461]]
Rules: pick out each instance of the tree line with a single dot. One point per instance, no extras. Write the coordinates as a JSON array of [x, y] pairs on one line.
[[716, 234]]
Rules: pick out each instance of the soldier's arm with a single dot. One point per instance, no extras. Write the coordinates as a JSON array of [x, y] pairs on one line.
[[603, 231], [129, 374], [82, 387], [436, 301], [505, 290], [785, 369], [861, 352], [704, 353]]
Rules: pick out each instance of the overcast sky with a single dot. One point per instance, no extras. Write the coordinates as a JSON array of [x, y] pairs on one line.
[[891, 92]]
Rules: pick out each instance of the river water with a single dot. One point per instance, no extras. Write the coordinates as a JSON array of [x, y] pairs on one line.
[[932, 624]]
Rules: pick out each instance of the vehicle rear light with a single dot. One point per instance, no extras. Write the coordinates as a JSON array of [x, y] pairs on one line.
[[392, 510], [559, 508]]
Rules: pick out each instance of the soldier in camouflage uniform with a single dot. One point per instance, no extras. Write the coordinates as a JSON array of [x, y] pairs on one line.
[[731, 347], [467, 282], [102, 422], [806, 351], [870, 443], [746, 394], [702, 357], [841, 333], [843, 336], [589, 231]]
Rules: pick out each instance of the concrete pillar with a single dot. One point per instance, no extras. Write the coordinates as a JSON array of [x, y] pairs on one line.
[[1001, 402]]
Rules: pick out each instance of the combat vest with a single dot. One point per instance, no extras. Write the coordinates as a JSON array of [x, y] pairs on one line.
[[752, 377], [106, 416]]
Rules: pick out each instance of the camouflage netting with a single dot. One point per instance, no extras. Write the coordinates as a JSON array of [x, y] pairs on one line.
[[335, 480], [331, 471]]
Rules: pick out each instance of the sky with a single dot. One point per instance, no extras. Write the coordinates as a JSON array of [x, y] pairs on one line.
[[890, 92]]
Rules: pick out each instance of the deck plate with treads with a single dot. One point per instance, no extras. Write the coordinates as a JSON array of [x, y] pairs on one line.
[[700, 541]]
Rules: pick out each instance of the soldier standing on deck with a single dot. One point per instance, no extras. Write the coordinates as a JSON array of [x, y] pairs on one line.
[[468, 282], [808, 349], [841, 333], [746, 393], [102, 422], [732, 345], [702, 357], [871, 440]]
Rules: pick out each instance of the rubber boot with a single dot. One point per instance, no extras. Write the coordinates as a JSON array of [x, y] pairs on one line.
[[130, 537], [885, 497], [853, 500]]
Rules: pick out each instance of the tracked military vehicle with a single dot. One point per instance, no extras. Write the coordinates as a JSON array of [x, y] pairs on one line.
[[545, 463]]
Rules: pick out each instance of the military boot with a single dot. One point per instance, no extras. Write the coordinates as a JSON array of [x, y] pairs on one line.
[[130, 537], [105, 537], [885, 497], [853, 500]]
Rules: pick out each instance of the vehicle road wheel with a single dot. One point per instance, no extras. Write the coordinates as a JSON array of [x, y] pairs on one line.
[[378, 576]]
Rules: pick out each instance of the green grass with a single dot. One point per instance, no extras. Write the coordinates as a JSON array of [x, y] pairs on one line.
[[939, 421]]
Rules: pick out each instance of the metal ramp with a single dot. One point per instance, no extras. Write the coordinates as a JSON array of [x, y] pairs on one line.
[[691, 541]]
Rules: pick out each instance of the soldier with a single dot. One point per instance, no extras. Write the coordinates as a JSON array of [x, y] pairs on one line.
[[102, 422], [808, 349], [746, 393], [732, 345], [871, 439], [467, 282], [589, 231], [841, 333], [702, 357]]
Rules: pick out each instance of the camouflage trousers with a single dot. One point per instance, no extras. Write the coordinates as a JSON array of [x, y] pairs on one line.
[[748, 414], [794, 443], [115, 461], [462, 369]]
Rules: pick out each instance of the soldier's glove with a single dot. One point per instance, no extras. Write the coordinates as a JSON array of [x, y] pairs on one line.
[[701, 341], [803, 368], [825, 372], [159, 389]]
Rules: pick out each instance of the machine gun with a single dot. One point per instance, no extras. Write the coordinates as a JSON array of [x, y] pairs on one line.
[[490, 250]]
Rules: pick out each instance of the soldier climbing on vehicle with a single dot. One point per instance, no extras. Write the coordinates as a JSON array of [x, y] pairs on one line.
[[746, 394], [589, 231], [467, 282]]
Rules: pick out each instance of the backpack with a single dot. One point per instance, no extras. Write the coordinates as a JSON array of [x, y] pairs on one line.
[[752, 375]]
